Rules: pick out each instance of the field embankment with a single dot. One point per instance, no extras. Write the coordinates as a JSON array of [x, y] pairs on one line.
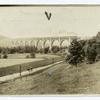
[[11, 66], [59, 79]]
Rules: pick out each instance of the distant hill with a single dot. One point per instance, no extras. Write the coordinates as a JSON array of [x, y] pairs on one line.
[[3, 37]]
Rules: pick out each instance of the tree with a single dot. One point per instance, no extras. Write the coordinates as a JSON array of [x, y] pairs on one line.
[[76, 52], [55, 49], [98, 35], [32, 55], [12, 50], [0, 56], [5, 56], [46, 50], [91, 50]]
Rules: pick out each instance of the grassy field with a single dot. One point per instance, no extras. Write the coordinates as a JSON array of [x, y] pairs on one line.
[[23, 56], [11, 62], [11, 66], [64, 79]]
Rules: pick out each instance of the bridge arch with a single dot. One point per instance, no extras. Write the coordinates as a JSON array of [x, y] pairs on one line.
[[55, 42], [47, 43], [21, 43], [27, 43], [39, 44], [17, 43], [33, 43], [64, 43]]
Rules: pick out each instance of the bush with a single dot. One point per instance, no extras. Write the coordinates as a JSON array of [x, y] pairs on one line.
[[0, 56], [27, 56], [76, 52], [91, 52], [12, 50], [46, 50], [32, 55], [55, 49], [5, 56]]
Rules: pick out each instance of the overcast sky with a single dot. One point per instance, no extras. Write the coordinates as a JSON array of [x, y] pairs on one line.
[[31, 21]]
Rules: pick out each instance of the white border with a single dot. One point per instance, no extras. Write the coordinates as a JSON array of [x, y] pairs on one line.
[[49, 2], [7, 2], [50, 98]]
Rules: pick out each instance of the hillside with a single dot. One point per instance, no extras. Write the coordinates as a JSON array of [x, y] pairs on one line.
[[60, 79], [3, 37]]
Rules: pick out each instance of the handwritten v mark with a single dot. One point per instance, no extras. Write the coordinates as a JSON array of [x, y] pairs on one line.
[[48, 15]]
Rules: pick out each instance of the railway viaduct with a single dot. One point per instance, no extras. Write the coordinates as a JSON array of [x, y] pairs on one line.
[[39, 42], [44, 42]]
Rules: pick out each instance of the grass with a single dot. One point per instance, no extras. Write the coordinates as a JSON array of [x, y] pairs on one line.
[[23, 56], [11, 62], [84, 79], [11, 66]]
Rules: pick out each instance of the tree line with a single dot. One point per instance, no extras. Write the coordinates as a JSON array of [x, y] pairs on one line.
[[4, 51], [84, 50]]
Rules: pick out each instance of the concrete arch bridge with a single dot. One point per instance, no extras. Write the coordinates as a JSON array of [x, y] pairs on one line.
[[42, 42]]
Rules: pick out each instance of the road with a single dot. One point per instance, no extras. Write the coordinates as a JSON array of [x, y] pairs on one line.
[[59, 79]]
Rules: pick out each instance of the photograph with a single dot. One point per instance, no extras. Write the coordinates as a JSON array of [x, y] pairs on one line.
[[50, 50]]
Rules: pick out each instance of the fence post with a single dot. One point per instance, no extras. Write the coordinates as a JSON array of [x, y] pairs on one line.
[[52, 60], [20, 70]]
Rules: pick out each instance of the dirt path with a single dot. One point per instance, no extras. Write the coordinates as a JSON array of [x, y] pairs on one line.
[[60, 79]]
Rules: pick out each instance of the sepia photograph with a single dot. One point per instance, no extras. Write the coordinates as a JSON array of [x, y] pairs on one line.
[[49, 50]]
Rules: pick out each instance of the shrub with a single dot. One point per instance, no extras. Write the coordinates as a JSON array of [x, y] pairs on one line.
[[5, 56], [76, 52], [32, 55], [27, 56], [55, 49], [91, 52], [0, 56], [46, 50]]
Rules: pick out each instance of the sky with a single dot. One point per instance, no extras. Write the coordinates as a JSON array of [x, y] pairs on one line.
[[31, 21]]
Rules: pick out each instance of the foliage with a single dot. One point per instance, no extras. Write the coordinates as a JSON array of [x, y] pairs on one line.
[[5, 56], [55, 49], [46, 50], [76, 52], [27, 56], [32, 55], [84, 49], [91, 51]]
